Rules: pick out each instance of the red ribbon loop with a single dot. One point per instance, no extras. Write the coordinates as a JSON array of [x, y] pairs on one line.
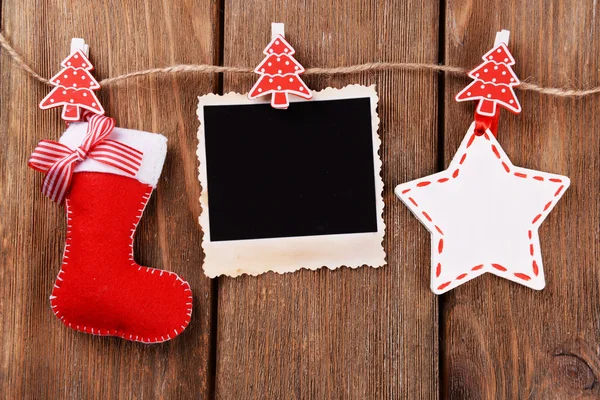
[[484, 123], [58, 161]]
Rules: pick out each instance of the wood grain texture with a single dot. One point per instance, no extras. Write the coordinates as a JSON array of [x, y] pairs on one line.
[[39, 358], [364, 333], [499, 339]]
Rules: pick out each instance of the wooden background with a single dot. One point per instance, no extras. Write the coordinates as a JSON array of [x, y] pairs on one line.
[[351, 334]]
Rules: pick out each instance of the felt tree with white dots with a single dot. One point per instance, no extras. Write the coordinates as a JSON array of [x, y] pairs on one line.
[[493, 83], [74, 88], [279, 75]]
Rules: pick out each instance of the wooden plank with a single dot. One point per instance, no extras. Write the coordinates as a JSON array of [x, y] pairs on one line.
[[365, 333], [40, 358], [500, 339]]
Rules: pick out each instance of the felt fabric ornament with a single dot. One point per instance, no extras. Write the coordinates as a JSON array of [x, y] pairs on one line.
[[100, 289]]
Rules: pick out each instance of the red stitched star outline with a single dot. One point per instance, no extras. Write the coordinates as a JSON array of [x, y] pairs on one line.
[[483, 214]]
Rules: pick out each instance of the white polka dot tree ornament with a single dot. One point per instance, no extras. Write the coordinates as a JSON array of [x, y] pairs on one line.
[[279, 72], [74, 86], [483, 212]]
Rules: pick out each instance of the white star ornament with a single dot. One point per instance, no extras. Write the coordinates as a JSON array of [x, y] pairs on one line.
[[483, 214]]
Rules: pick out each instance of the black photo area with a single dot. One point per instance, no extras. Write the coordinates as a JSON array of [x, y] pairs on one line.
[[307, 170]]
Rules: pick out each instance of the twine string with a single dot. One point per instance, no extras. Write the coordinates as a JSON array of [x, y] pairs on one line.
[[351, 69]]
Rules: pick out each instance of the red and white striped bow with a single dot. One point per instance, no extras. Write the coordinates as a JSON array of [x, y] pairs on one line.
[[58, 160]]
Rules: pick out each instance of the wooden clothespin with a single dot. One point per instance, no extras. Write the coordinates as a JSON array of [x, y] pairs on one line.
[[74, 85], [502, 37], [492, 85], [487, 122], [279, 72], [79, 44], [277, 28]]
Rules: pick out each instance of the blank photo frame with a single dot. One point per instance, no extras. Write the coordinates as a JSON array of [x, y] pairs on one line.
[[290, 189]]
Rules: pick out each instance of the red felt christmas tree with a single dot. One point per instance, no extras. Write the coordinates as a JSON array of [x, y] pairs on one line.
[[74, 88], [279, 75], [493, 83]]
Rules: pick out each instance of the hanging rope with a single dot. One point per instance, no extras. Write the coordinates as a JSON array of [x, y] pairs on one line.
[[351, 69]]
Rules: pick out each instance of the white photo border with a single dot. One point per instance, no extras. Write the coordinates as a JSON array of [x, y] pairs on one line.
[[288, 254]]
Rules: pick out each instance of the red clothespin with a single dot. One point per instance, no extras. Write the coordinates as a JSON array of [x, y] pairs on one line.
[[493, 85], [279, 72], [74, 85]]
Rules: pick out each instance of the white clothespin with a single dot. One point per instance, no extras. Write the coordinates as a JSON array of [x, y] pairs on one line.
[[277, 28], [502, 37], [79, 44]]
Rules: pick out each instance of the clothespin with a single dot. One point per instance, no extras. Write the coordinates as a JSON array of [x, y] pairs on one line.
[[492, 85], [502, 37], [74, 85], [79, 44], [279, 72], [483, 122], [277, 28]]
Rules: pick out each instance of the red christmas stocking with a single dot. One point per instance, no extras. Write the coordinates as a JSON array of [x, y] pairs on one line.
[[100, 289]]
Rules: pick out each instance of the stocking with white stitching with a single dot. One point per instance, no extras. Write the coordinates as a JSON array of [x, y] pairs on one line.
[[100, 289]]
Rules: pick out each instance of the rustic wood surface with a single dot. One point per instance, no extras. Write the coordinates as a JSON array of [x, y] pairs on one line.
[[364, 333], [501, 340]]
